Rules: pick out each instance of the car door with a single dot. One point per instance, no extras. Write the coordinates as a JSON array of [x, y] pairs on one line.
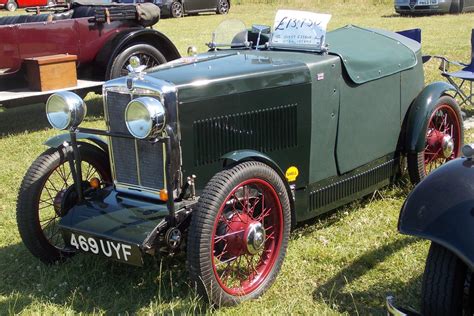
[[10, 61], [198, 5]]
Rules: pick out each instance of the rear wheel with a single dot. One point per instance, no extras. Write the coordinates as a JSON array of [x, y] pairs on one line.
[[239, 234], [222, 6], [443, 140], [446, 288], [149, 56], [45, 194], [11, 5], [177, 9]]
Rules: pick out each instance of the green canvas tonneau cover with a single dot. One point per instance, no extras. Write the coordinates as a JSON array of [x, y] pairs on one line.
[[369, 54]]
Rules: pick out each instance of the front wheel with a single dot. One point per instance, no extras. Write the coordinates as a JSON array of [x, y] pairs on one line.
[[447, 288], [45, 191], [177, 10], [11, 5], [149, 56], [239, 234], [443, 140]]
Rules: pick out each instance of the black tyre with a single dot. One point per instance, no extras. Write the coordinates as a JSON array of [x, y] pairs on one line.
[[239, 234], [42, 192], [177, 10], [223, 6], [149, 56], [11, 5], [457, 6], [446, 288], [443, 140]]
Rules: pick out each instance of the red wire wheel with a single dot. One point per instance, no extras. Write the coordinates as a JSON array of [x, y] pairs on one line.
[[443, 140], [46, 189], [239, 233]]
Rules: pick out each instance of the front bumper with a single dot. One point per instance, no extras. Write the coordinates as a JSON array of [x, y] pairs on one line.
[[165, 9], [423, 9], [107, 219]]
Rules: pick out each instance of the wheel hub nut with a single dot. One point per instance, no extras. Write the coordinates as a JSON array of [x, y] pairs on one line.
[[255, 237], [447, 145]]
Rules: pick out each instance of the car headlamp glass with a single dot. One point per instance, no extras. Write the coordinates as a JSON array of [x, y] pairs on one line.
[[145, 117], [65, 110]]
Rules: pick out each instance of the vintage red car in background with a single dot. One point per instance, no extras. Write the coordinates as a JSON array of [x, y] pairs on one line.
[[103, 44], [12, 5]]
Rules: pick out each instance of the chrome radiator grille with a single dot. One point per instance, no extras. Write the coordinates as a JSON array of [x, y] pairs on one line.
[[136, 164]]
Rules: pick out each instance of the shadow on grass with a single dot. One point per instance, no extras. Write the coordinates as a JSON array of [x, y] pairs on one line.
[[30, 118], [90, 284], [372, 300]]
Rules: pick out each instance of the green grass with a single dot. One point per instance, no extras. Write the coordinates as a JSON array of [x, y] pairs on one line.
[[343, 263]]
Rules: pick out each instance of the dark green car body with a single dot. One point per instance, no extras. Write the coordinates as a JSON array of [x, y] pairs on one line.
[[332, 125]]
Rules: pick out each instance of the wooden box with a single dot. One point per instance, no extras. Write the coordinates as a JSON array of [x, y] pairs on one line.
[[51, 72]]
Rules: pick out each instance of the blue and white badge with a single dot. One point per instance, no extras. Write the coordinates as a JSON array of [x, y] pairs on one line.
[[300, 30]]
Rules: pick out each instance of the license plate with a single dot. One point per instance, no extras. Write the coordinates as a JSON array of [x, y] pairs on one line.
[[116, 250]]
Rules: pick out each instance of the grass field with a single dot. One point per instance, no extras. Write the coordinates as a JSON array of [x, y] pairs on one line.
[[344, 263]]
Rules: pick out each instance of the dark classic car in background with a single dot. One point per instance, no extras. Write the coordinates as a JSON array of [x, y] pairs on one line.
[[229, 149], [179, 8], [102, 49], [440, 209], [410, 7]]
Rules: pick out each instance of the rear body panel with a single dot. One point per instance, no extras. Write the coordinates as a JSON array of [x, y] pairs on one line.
[[72, 36]]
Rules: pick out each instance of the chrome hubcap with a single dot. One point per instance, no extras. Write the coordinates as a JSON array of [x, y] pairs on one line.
[[255, 238], [447, 145]]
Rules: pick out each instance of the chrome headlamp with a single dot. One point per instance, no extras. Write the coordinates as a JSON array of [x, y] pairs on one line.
[[65, 110], [145, 117]]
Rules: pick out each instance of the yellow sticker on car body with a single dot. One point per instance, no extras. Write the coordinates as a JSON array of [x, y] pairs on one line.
[[292, 173]]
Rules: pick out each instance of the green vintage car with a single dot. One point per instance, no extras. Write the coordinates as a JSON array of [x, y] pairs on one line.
[[221, 154]]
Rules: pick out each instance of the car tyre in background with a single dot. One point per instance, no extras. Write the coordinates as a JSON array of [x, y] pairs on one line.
[[239, 234], [223, 6], [177, 10], [457, 6], [447, 284], [149, 56], [11, 5], [443, 140], [45, 191]]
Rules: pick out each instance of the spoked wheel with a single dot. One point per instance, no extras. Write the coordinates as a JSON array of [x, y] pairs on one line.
[[149, 56], [443, 140], [239, 234], [222, 6], [447, 287], [177, 9], [47, 193]]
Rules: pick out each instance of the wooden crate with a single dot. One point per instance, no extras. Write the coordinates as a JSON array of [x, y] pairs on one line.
[[51, 72]]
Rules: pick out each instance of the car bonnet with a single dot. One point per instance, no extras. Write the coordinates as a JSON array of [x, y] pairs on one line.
[[230, 72]]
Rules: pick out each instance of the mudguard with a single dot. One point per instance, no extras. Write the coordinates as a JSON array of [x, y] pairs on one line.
[[114, 46], [441, 209], [239, 156], [58, 140], [147, 36], [420, 113]]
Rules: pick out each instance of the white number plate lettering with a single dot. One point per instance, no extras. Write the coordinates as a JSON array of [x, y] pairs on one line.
[[112, 249]]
